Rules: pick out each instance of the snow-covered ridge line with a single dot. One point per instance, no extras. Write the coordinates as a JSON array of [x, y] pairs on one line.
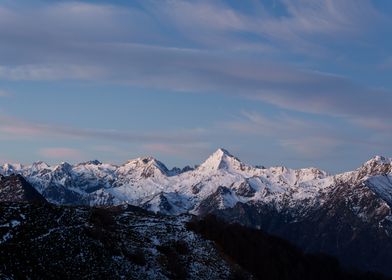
[[221, 181]]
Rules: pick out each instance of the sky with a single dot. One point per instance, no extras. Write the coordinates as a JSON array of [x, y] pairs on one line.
[[276, 82]]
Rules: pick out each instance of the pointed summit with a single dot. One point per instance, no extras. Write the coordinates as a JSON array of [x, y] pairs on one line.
[[221, 159], [154, 163], [223, 152], [378, 160], [39, 165], [377, 165], [146, 166]]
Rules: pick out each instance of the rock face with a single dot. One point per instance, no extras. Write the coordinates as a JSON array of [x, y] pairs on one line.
[[347, 215]]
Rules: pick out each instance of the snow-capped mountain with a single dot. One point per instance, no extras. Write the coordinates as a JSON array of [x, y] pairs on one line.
[[222, 180]]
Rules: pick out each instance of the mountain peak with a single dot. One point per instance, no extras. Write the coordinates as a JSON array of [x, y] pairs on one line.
[[378, 160], [148, 165], [39, 165], [223, 152], [9, 168], [63, 167], [221, 159], [91, 162], [378, 165]]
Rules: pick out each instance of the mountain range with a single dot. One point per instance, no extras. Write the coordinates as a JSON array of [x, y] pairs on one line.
[[346, 215]]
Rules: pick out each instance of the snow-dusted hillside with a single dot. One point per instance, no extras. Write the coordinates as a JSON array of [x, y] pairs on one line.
[[43, 241]]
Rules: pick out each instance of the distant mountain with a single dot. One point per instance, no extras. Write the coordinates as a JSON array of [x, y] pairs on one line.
[[148, 183], [347, 215]]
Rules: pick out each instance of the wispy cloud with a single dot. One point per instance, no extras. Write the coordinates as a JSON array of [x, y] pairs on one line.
[[13, 127], [331, 95], [386, 64], [61, 153], [117, 51], [184, 151], [374, 123], [49, 72], [4, 93], [312, 139], [303, 26]]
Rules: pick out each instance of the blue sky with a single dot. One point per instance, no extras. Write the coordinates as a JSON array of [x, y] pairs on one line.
[[300, 83]]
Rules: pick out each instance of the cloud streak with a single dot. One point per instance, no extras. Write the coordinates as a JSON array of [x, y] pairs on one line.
[[13, 127], [292, 134], [305, 25], [61, 153], [312, 139], [184, 151], [3, 93]]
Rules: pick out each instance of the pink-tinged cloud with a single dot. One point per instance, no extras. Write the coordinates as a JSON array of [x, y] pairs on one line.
[[306, 138], [20, 130], [50, 72], [162, 148], [177, 150], [374, 123], [14, 127], [61, 153], [3, 93]]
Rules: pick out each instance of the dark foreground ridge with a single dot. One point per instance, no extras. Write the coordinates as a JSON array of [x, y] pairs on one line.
[[43, 241], [269, 257]]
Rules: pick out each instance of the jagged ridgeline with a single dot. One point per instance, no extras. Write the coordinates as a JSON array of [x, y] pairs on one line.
[[346, 215]]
